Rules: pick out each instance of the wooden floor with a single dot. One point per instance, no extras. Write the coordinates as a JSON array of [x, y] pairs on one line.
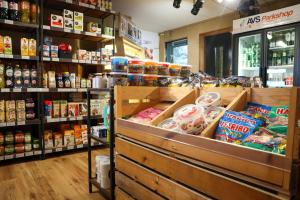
[[59, 178]]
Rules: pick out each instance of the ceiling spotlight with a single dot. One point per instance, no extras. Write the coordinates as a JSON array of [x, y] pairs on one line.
[[197, 6], [176, 3], [220, 1]]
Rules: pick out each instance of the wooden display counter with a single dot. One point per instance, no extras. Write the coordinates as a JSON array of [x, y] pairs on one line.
[[154, 163]]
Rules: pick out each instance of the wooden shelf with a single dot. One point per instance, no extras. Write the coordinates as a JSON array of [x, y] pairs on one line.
[[24, 123], [19, 57], [17, 26], [68, 60], [20, 155]]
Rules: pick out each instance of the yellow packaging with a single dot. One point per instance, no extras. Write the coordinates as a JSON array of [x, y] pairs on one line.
[[2, 111], [1, 45], [32, 47], [24, 47], [7, 45]]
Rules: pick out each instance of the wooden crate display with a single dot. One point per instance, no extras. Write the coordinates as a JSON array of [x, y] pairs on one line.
[[252, 171]]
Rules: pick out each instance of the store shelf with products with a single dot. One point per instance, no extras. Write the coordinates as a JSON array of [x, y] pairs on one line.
[[21, 123], [282, 48], [17, 26], [139, 139], [21, 155], [69, 148], [70, 119], [68, 60], [282, 67]]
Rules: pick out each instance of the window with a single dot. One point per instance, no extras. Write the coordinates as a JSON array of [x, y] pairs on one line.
[[177, 52]]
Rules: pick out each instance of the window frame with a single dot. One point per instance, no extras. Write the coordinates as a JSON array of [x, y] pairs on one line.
[[170, 47]]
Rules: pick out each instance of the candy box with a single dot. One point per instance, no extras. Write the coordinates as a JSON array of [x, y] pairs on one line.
[[46, 50], [56, 109], [83, 109], [78, 26], [48, 139], [78, 17], [209, 99], [54, 51], [63, 108], [77, 134], [32, 47], [96, 107], [24, 47], [51, 79], [84, 136], [7, 45], [81, 54], [58, 140], [68, 24], [57, 21], [69, 139], [73, 109]]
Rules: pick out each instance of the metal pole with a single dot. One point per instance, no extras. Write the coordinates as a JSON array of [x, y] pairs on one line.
[[112, 143], [89, 142]]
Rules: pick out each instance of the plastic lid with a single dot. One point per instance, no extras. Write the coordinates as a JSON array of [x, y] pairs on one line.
[[174, 65], [168, 124], [212, 112], [163, 64], [209, 99], [187, 66], [188, 111], [135, 62]]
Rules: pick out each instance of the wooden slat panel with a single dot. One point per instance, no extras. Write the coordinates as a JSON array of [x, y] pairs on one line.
[[173, 94], [207, 182], [271, 96], [258, 164], [227, 94], [135, 189], [121, 195], [155, 182]]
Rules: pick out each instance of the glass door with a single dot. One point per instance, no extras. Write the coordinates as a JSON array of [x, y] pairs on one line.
[[281, 58], [249, 55]]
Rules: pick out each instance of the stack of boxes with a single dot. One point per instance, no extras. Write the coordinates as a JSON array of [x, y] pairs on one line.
[[70, 20]]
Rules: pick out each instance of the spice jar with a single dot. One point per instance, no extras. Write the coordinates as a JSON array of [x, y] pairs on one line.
[[163, 68], [36, 144], [9, 149], [67, 81], [174, 69], [9, 138], [186, 70], [59, 80], [27, 137], [19, 148], [19, 137], [150, 67], [28, 147], [135, 66]]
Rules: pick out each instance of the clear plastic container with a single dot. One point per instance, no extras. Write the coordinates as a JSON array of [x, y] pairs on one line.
[[212, 112], [135, 66], [186, 70], [135, 80], [209, 99], [163, 68], [174, 69], [119, 64], [150, 81], [169, 124], [150, 67]]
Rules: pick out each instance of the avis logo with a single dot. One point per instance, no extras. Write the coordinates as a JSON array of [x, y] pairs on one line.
[[253, 20]]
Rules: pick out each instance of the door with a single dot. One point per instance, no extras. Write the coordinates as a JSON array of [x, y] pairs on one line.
[[218, 55], [281, 57]]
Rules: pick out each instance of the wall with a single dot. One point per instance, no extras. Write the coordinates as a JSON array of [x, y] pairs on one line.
[[195, 33], [150, 40]]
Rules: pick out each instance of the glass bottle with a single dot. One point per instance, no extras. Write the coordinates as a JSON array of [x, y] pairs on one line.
[[67, 81], [33, 12], [284, 58], [18, 77], [33, 77], [59, 80], [2, 78], [278, 60], [13, 10], [274, 59], [3, 9], [26, 76], [25, 11]]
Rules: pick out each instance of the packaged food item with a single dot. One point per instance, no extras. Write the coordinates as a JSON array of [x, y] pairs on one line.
[[46, 51], [18, 82], [78, 21], [7, 45], [92, 27], [73, 80], [25, 11], [51, 79], [19, 148], [10, 111], [212, 112], [83, 109], [29, 103], [145, 116], [21, 114], [67, 81], [78, 26], [32, 47], [45, 80], [73, 109], [56, 109], [9, 149], [35, 144], [24, 47], [163, 68], [77, 134], [30, 114], [190, 119], [28, 147], [33, 76], [68, 24], [48, 139], [77, 81], [13, 10], [174, 69], [48, 108], [26, 76], [33, 12], [135, 66], [186, 70], [9, 138], [54, 51], [69, 139], [58, 140], [1, 138], [169, 124], [96, 107], [27, 137], [278, 119], [119, 64], [209, 99], [134, 80], [257, 110], [1, 44], [235, 127], [68, 14], [119, 80], [151, 81], [63, 108], [57, 21], [150, 67], [83, 83], [2, 150], [2, 111]]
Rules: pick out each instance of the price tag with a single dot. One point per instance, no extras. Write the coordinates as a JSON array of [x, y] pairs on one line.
[[30, 153], [10, 124], [74, 61], [81, 61], [58, 149], [46, 59], [84, 5], [80, 118], [69, 1], [46, 27], [67, 30], [38, 152], [72, 119], [44, 89], [77, 32], [33, 89], [19, 155], [1, 157], [8, 21], [63, 119], [94, 62], [17, 90], [5, 90], [82, 89], [8, 157], [70, 147], [21, 123], [25, 57], [53, 120], [91, 34], [92, 6], [3, 124], [88, 61], [55, 59], [9, 56], [2, 55], [48, 151], [80, 146]]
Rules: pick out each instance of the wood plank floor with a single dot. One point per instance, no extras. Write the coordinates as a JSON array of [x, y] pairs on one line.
[[59, 178]]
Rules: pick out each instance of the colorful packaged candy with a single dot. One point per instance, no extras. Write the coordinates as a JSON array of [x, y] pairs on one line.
[[169, 124], [257, 110], [278, 119], [145, 116], [209, 99], [235, 127], [212, 112]]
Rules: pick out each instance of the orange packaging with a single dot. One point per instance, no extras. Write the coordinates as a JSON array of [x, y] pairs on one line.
[[32, 47], [64, 127], [24, 47], [1, 45]]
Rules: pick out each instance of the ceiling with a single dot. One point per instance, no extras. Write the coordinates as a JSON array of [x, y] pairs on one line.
[[159, 15]]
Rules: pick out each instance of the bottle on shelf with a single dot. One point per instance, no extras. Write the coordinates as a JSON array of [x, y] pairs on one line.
[[293, 38], [33, 16], [274, 59], [26, 76], [9, 76], [2, 75], [278, 62], [25, 11], [284, 58], [13, 10], [33, 77], [18, 82], [3, 9]]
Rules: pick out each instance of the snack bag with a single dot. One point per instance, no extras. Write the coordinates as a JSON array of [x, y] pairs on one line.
[[235, 127], [257, 110], [278, 119]]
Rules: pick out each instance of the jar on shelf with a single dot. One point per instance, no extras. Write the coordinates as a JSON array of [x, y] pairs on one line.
[[33, 77], [33, 12], [135, 66], [67, 81], [2, 76], [4, 9], [119, 64], [150, 81], [18, 82], [150, 67], [174, 69], [59, 80], [186, 70], [25, 11], [163, 68], [27, 137], [36, 144], [26, 76], [135, 80]]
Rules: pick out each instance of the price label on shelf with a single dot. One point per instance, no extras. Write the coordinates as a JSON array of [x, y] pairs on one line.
[[84, 5], [81, 61], [43, 89], [25, 57], [72, 119], [34, 89], [8, 157], [88, 61], [58, 149], [74, 61], [80, 146], [69, 1], [38, 152], [2, 55], [17, 90], [70, 147], [82, 89], [53, 120], [3, 124], [21, 123], [9, 56], [46, 27], [91, 34], [30, 153], [55, 59], [1, 157], [5, 90], [19, 155], [67, 30], [8, 21], [77, 32], [10, 124], [46, 59], [79, 118], [48, 151], [63, 119], [94, 62]]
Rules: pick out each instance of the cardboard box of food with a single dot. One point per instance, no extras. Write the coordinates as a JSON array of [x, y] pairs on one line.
[[58, 140], [69, 139], [24, 47], [32, 47], [57, 21], [48, 139]]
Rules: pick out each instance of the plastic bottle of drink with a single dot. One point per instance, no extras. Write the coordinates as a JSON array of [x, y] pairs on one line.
[[279, 59], [274, 59], [284, 58], [3, 9], [293, 38], [13, 10]]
